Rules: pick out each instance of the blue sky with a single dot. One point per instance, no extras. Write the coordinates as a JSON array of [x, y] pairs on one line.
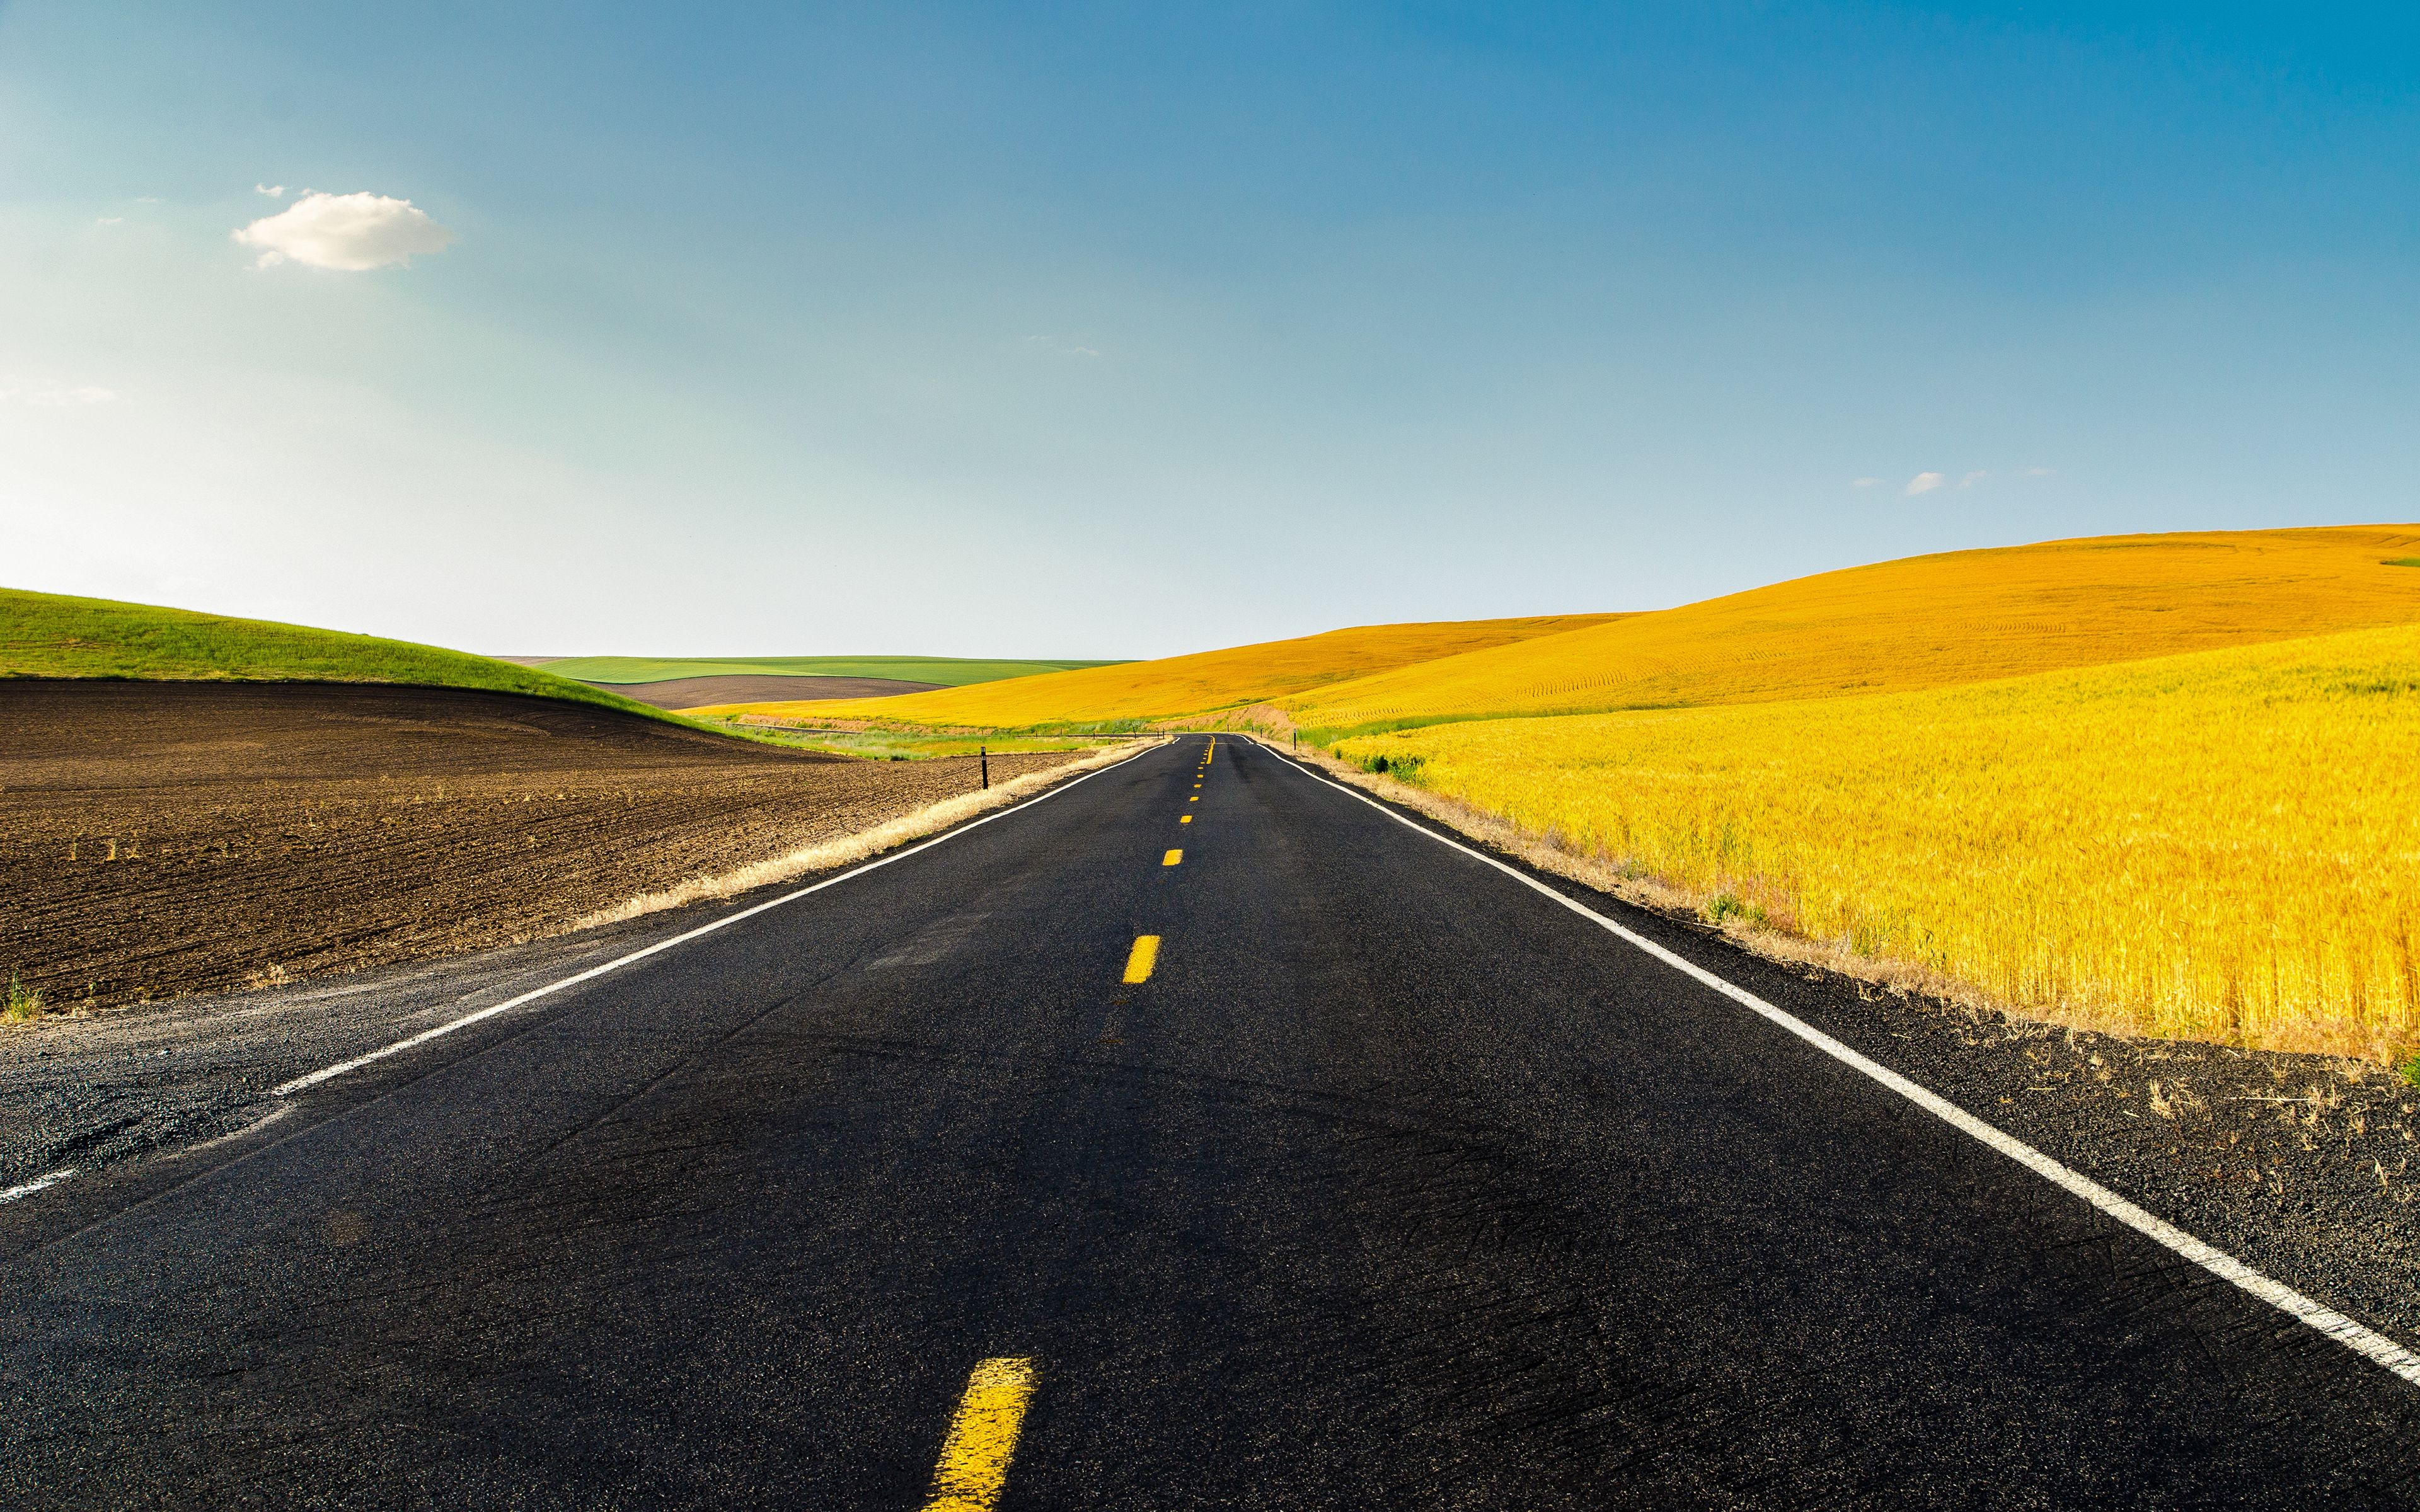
[[1123, 330]]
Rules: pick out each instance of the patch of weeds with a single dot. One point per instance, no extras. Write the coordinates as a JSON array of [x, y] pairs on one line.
[[1727, 907], [1401, 768], [2401, 562], [2410, 1069], [24, 1003]]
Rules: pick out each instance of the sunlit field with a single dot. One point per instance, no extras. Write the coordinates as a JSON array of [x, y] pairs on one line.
[[1174, 686], [2224, 845], [1924, 622]]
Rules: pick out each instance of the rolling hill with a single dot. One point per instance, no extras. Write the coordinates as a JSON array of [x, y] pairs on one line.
[[1920, 622], [942, 672], [53, 635], [1175, 687]]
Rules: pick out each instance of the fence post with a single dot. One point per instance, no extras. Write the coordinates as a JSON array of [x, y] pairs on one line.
[[983, 753]]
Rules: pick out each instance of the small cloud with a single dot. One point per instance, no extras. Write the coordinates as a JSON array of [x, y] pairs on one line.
[[1971, 479], [148, 199], [111, 220], [1925, 483], [54, 396], [350, 232], [2036, 472], [1863, 483], [272, 190]]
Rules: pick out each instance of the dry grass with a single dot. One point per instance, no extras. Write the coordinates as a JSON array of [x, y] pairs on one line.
[[1924, 622], [2224, 845], [1178, 685], [849, 849]]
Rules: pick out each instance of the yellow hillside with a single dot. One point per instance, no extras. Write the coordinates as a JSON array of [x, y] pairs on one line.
[[1177, 685], [1924, 622], [2224, 845]]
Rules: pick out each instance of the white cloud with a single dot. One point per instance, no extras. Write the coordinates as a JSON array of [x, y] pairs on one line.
[[1924, 482], [272, 190], [1863, 483], [351, 233], [55, 394], [1972, 478], [2038, 472], [111, 220]]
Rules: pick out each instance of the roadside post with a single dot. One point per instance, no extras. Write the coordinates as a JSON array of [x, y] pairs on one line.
[[983, 753]]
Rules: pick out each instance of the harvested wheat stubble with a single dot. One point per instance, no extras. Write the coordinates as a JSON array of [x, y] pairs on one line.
[[166, 838]]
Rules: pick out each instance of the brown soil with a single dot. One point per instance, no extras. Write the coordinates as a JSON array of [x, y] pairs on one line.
[[164, 838], [766, 687]]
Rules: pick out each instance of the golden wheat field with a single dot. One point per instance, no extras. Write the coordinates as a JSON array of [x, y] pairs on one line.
[[2222, 846], [1923, 622], [1174, 686]]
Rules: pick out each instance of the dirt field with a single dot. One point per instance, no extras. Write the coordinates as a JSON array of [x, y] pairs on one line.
[[700, 692], [164, 838]]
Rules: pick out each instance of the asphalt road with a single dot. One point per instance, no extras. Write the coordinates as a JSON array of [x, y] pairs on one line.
[[1395, 1185]]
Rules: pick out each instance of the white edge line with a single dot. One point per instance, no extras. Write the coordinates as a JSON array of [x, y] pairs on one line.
[[29, 1188], [2354, 1336], [340, 1068]]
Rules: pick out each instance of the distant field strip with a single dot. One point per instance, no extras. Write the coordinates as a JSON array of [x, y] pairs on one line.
[[1924, 622], [943, 671], [2224, 845], [1174, 686]]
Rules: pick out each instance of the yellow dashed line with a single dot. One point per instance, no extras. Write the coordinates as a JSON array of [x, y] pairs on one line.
[[1186, 819], [1193, 800], [982, 1436], [1143, 958], [1171, 858]]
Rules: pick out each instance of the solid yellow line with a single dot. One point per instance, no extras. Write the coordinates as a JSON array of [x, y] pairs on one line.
[[1171, 858], [982, 1436], [1143, 958]]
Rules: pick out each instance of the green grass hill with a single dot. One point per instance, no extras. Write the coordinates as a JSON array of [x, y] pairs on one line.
[[52, 634]]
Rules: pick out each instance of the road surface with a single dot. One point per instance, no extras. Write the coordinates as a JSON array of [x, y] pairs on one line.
[[1392, 1185]]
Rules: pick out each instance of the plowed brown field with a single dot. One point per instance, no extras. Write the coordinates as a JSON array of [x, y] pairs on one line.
[[162, 838]]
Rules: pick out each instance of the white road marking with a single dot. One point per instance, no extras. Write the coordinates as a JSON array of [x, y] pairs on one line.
[[340, 1068], [29, 1188], [2361, 1339]]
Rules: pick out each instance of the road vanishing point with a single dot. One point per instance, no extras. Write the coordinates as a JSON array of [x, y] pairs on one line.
[[1201, 1134]]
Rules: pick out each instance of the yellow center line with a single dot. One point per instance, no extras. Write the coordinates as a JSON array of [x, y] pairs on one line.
[[1171, 858], [1145, 955], [1186, 819], [1193, 800], [982, 1436]]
